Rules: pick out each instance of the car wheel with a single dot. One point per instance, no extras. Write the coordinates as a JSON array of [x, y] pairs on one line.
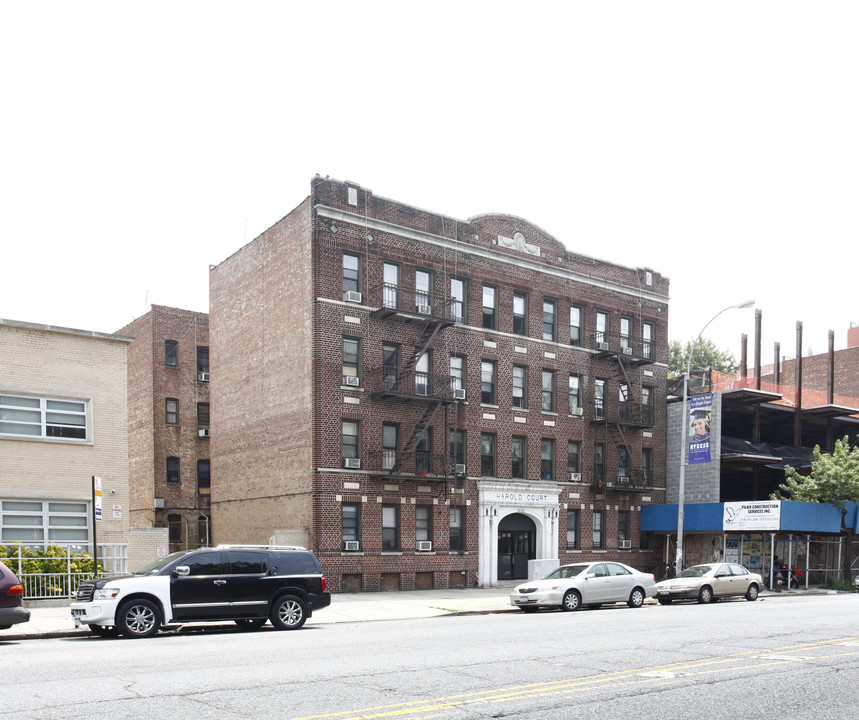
[[104, 630], [752, 593], [254, 624], [664, 601], [572, 600], [138, 619], [288, 613], [636, 598], [705, 595]]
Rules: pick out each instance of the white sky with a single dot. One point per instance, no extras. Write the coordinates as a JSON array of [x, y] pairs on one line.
[[717, 143]]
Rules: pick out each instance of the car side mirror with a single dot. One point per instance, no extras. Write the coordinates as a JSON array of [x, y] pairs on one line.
[[589, 576], [182, 571]]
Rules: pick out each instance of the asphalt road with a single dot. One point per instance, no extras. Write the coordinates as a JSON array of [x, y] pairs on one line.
[[780, 657]]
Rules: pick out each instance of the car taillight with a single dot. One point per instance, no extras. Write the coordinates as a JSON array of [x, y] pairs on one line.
[[16, 590], [324, 584]]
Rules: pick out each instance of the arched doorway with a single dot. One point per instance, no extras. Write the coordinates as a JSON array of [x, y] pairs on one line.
[[516, 546]]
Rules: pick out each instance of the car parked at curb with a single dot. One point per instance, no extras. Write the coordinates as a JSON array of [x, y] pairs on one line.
[[245, 584], [591, 584], [12, 610], [707, 583]]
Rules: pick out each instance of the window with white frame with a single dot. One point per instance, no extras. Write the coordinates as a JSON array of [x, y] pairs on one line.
[[490, 307], [42, 417], [548, 393], [457, 528], [520, 313], [575, 325], [575, 394], [423, 523], [457, 373], [390, 527], [520, 384], [40, 523], [457, 300], [351, 359], [423, 292], [548, 319], [351, 274]]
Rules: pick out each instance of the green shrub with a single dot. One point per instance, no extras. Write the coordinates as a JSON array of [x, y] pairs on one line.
[[834, 583]]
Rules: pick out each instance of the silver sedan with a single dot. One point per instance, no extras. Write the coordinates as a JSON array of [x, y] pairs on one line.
[[706, 583], [591, 584]]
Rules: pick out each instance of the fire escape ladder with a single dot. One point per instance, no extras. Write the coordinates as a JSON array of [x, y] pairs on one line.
[[423, 422], [424, 343]]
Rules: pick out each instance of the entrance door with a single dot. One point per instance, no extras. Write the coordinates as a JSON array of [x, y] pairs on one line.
[[516, 546]]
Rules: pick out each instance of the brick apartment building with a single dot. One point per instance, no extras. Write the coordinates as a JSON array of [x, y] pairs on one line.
[[168, 424], [432, 402]]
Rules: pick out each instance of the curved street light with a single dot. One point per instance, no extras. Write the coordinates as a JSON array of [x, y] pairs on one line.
[[681, 484]]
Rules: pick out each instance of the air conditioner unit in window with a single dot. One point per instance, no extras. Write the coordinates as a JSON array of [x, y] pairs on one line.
[[603, 346], [352, 462], [203, 376], [577, 411], [424, 309], [202, 432], [623, 480], [459, 468], [352, 380], [459, 394], [627, 351], [424, 545], [352, 545], [159, 503], [575, 477], [624, 544], [353, 296]]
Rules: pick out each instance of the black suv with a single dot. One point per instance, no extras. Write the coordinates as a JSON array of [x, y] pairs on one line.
[[248, 584]]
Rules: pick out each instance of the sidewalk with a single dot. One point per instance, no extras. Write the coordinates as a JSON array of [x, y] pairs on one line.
[[55, 620]]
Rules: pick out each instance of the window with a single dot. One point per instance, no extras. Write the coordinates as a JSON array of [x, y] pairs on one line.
[[602, 331], [597, 530], [487, 382], [574, 456], [599, 465], [647, 340], [457, 447], [202, 359], [171, 410], [349, 439], [390, 527], [208, 563], [575, 394], [575, 326], [246, 562], [487, 454], [547, 459], [548, 399], [204, 536], [623, 525], [623, 465], [351, 356], [174, 531], [203, 415], [647, 404], [171, 353], [390, 445], [489, 307], [422, 375], [457, 300], [204, 477], [457, 373], [626, 334], [457, 528], [351, 522], [423, 451], [624, 410], [572, 529], [520, 313], [423, 284], [351, 274], [34, 522], [172, 471], [520, 385], [391, 287], [423, 523], [647, 466], [599, 399], [548, 319], [519, 457], [43, 417], [390, 367]]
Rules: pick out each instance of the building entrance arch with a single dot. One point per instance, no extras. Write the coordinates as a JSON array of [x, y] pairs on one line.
[[516, 546]]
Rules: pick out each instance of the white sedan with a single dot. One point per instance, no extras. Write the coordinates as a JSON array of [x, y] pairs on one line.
[[706, 583], [590, 583]]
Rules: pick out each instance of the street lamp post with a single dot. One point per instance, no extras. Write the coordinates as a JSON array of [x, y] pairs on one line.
[[681, 484]]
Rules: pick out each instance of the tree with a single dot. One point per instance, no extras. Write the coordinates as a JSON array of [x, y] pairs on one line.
[[707, 355], [834, 479]]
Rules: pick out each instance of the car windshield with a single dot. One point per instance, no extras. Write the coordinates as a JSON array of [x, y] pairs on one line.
[[565, 571], [155, 567], [696, 571]]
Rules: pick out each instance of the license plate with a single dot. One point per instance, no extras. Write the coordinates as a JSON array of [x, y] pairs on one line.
[[662, 592], [523, 598]]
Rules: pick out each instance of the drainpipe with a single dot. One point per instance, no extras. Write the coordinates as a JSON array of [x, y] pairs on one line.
[[797, 416]]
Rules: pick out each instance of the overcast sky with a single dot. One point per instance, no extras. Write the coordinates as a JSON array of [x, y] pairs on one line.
[[715, 143]]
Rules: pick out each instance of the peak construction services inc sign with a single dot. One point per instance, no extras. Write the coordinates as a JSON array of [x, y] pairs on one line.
[[752, 515]]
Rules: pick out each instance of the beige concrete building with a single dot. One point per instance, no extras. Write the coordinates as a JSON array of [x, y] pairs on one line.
[[63, 421]]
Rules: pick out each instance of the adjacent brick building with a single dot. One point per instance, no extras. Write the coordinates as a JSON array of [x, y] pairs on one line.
[[432, 402], [168, 424]]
